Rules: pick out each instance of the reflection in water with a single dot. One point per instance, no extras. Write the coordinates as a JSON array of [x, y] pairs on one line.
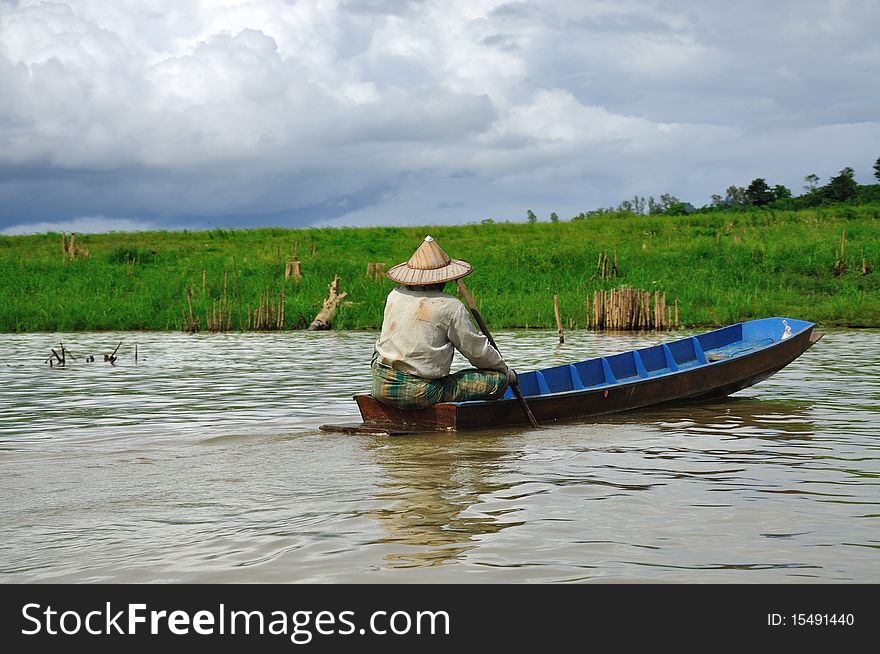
[[738, 417], [428, 488]]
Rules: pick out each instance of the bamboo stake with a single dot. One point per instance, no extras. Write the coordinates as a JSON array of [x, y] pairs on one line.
[[629, 309], [595, 310], [281, 321], [237, 295], [192, 318], [223, 308], [656, 309], [633, 309], [664, 312], [641, 297], [609, 319], [621, 309], [606, 305], [558, 320], [603, 309], [616, 309]]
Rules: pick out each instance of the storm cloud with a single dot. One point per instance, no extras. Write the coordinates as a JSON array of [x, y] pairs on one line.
[[161, 114]]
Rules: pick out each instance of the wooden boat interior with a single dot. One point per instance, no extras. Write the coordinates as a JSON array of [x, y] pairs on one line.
[[658, 360]]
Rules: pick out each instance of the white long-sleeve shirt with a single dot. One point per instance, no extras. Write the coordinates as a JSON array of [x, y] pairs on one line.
[[422, 329]]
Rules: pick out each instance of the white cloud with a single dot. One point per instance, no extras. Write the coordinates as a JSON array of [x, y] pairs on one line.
[[81, 225], [266, 110]]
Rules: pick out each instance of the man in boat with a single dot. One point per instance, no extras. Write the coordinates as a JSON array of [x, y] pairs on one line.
[[422, 328]]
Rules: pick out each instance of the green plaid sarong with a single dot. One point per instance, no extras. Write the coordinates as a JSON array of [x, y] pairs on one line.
[[406, 391]]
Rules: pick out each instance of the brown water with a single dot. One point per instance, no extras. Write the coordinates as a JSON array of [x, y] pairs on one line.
[[203, 463]]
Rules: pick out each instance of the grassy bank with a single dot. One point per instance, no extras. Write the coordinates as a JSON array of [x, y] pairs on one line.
[[722, 267]]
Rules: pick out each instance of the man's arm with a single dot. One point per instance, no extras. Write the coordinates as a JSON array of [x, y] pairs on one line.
[[473, 345]]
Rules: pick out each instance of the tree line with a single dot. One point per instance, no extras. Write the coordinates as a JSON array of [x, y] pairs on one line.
[[841, 188]]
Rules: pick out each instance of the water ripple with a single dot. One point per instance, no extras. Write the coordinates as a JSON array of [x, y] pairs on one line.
[[202, 462]]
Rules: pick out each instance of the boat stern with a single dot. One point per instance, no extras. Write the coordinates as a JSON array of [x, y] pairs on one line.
[[439, 417]]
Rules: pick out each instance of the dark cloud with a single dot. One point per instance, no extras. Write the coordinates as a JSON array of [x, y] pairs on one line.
[[156, 113]]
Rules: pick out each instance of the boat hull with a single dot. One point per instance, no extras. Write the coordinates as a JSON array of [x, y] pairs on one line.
[[710, 379]]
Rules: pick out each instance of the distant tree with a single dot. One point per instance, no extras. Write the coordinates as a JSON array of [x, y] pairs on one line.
[[667, 200], [780, 192], [759, 193], [654, 207], [580, 216], [717, 201], [639, 205], [626, 207], [842, 187], [877, 169], [812, 181], [679, 209], [868, 194], [531, 217], [736, 196], [487, 221], [554, 218]]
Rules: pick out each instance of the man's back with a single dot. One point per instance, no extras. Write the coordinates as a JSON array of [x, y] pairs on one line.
[[421, 330]]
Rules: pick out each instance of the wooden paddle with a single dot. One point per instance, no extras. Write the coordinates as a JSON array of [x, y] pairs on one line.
[[476, 313]]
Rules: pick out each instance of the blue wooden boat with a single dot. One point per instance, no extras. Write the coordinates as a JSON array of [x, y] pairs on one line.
[[709, 365]]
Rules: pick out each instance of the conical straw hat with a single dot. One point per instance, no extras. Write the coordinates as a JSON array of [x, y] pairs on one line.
[[429, 265]]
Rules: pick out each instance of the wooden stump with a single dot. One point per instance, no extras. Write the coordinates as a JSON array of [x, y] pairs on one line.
[[376, 271], [293, 269], [71, 249], [325, 317]]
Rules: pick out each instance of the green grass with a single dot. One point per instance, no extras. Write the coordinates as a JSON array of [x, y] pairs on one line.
[[722, 267]]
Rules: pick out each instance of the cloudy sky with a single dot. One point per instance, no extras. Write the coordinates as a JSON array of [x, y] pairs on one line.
[[238, 113]]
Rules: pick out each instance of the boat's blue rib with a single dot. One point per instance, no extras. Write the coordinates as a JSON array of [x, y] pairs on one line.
[[576, 382], [640, 366], [543, 389], [670, 360], [698, 350], [606, 369]]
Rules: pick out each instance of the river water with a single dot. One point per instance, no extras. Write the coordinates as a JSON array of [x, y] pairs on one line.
[[203, 462]]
